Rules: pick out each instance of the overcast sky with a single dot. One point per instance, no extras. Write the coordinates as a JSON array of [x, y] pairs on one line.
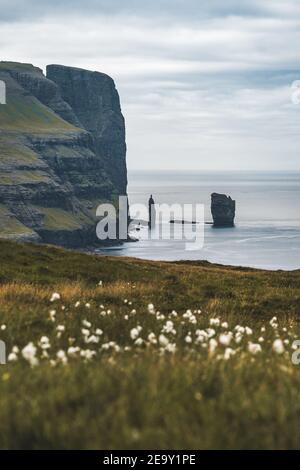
[[203, 84]]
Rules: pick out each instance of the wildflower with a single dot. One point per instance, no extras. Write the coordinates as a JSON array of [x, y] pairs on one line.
[[60, 328], [273, 323], [261, 339], [85, 332], [126, 317], [3, 327], [163, 340], [87, 354], [77, 304], [73, 351], [248, 330], [213, 344], [138, 342], [99, 332], [44, 342], [263, 329], [224, 324], [254, 348], [12, 357], [87, 305], [152, 338], [91, 339], [133, 312], [171, 348], [188, 339], [55, 296], [134, 333], [278, 346], [52, 315], [151, 309], [210, 332], [86, 323], [29, 352], [225, 339], [238, 337], [61, 356], [100, 283], [214, 322], [15, 350], [173, 314], [228, 353]]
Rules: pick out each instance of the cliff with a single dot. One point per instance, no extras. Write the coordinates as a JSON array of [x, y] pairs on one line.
[[62, 153]]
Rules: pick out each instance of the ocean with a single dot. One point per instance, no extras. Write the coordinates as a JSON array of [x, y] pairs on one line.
[[267, 225]]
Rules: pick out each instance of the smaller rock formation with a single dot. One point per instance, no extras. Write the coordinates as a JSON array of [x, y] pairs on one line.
[[222, 210]]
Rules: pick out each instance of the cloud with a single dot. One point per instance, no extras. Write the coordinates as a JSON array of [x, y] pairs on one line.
[[203, 85]]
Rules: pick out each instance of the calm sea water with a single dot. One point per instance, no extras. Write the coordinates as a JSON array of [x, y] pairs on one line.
[[267, 231]]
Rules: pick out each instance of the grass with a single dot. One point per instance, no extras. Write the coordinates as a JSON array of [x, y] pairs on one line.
[[118, 388]]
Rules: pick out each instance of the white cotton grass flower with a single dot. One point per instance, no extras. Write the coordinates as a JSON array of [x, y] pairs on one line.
[[73, 351], [152, 338], [278, 346], [212, 345], [263, 329], [55, 296], [77, 304], [224, 325], [52, 315], [12, 357], [254, 348], [134, 333], [91, 339], [99, 332], [61, 357], [214, 322], [100, 283], [15, 350], [87, 305], [210, 332], [163, 340], [225, 339], [188, 339], [151, 309], [274, 323], [85, 332], [261, 339], [44, 343], [171, 348], [86, 323], [3, 327], [139, 342], [228, 353], [29, 354], [61, 328], [248, 331]]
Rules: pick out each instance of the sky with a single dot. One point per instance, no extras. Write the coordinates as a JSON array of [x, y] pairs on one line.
[[203, 84]]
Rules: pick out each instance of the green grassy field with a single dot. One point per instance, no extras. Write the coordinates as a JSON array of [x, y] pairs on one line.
[[133, 354]]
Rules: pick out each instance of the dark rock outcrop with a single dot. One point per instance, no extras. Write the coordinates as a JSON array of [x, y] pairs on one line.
[[55, 169], [223, 210]]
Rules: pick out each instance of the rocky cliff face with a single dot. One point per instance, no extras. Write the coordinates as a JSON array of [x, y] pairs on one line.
[[62, 153], [223, 210]]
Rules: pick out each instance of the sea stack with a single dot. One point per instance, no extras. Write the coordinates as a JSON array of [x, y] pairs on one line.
[[222, 210]]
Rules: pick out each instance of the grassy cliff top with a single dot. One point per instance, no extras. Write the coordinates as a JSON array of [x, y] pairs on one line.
[[119, 353]]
